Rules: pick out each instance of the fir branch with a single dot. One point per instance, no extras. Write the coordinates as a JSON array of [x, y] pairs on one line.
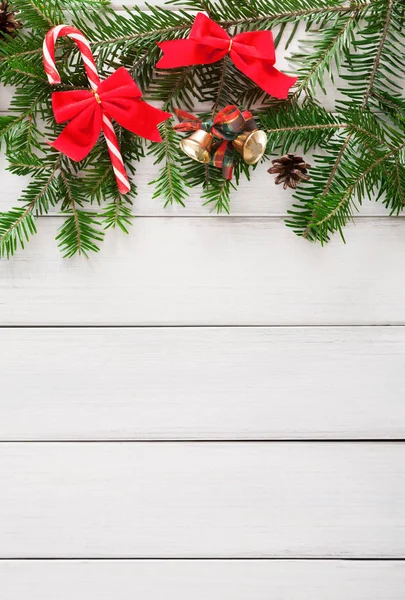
[[262, 15], [324, 127], [348, 139], [117, 214], [9, 127], [41, 13], [217, 194], [78, 238], [301, 13], [42, 192], [348, 193], [326, 50], [378, 55], [220, 85], [18, 224], [399, 186], [266, 19], [177, 87], [16, 227], [170, 183], [37, 51], [80, 232]]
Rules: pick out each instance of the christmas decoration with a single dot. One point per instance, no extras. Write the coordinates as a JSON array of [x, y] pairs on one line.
[[198, 146], [252, 52], [89, 112], [290, 170], [358, 142], [234, 130], [8, 21]]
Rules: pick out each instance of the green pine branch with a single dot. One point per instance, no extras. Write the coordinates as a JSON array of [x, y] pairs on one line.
[[80, 233], [332, 203], [217, 192], [170, 183], [16, 228], [117, 214]]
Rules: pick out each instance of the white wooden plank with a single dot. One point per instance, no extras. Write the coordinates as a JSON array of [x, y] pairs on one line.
[[258, 197], [186, 500], [210, 272], [217, 580], [197, 383]]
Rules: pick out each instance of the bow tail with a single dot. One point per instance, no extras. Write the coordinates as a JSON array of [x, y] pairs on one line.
[[223, 158], [267, 77], [80, 135]]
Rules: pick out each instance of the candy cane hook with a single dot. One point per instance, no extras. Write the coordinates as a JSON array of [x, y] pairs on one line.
[[92, 74]]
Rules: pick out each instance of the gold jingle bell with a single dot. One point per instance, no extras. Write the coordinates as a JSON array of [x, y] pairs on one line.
[[198, 146], [251, 145]]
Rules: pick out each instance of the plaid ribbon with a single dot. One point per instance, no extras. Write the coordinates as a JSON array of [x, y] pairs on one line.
[[225, 127]]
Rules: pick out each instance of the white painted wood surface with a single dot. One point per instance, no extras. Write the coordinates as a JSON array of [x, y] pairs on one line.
[[202, 383], [210, 272], [202, 500], [305, 372], [239, 580]]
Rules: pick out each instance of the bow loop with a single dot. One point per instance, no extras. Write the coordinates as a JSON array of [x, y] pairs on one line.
[[68, 105], [119, 86], [189, 122], [230, 122], [255, 44]]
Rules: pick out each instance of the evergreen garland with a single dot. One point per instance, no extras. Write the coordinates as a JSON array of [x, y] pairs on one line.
[[360, 147]]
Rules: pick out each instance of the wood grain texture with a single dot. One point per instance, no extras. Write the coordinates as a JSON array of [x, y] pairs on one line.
[[202, 500], [210, 272], [217, 580], [202, 383]]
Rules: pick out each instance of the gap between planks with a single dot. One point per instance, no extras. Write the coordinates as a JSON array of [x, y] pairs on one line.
[[205, 559]]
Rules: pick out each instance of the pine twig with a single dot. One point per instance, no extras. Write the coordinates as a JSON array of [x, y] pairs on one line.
[[368, 91], [353, 186]]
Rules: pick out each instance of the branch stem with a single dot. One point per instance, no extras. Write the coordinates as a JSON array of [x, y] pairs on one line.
[[327, 126], [221, 83]]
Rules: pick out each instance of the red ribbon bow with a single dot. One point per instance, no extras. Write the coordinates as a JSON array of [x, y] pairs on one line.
[[252, 52], [119, 97]]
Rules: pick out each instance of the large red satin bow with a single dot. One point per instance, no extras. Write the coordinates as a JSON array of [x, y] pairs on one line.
[[252, 52], [117, 96]]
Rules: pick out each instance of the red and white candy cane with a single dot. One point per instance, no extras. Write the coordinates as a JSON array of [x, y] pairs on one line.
[[92, 74]]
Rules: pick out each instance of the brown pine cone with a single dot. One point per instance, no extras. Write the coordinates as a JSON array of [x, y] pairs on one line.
[[290, 170], [8, 22]]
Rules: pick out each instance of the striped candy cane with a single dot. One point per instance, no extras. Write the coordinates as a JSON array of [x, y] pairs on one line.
[[92, 74]]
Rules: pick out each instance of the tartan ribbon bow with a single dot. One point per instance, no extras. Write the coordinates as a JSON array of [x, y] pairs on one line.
[[225, 127], [252, 52], [117, 96]]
